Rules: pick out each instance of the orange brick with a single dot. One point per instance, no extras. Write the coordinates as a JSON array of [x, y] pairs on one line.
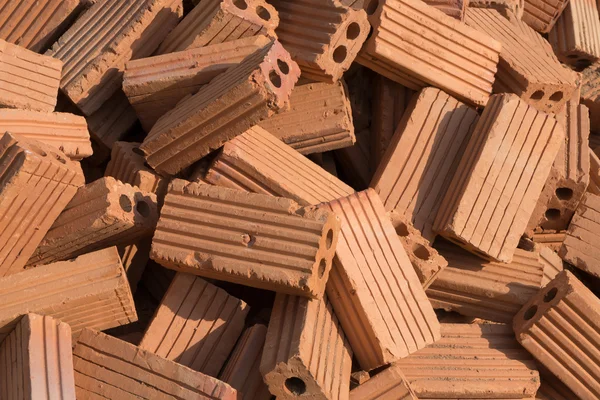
[[135, 257], [512, 149], [452, 8], [387, 384], [541, 15], [197, 325], [551, 262], [106, 367], [560, 327], [36, 361], [552, 388], [374, 288], [157, 279], [551, 240], [355, 160], [417, 46], [514, 6], [89, 292], [294, 363]]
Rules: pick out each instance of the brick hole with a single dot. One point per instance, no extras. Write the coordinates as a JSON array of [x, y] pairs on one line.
[[275, 78], [329, 239], [322, 268], [241, 4], [143, 209], [557, 96], [339, 54], [372, 7], [530, 313], [352, 31], [552, 214], [295, 386], [263, 13], [125, 203], [550, 295], [283, 67], [421, 252], [537, 95], [564, 193], [402, 230]]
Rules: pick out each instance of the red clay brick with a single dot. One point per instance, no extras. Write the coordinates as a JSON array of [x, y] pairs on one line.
[[500, 178], [104, 37], [387, 384], [504, 6], [541, 15], [36, 361], [231, 103], [89, 292], [552, 240], [103, 213], [417, 46], [197, 325], [29, 81], [560, 327], [374, 288], [452, 8], [356, 160], [552, 389], [106, 367], [590, 94], [135, 257], [551, 262], [594, 185], [157, 279], [294, 364]]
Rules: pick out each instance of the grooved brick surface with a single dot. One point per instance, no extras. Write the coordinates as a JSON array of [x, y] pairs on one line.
[[551, 262], [590, 94], [452, 8], [387, 384], [514, 6], [552, 388], [551, 240], [541, 15]]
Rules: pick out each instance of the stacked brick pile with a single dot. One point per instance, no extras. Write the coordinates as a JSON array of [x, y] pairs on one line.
[[299, 199]]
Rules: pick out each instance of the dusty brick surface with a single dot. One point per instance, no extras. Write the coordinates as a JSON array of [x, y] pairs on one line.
[[452, 8], [387, 384], [504, 6], [552, 240]]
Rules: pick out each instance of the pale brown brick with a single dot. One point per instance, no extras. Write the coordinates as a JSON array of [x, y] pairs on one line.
[[551, 262], [541, 15], [387, 384]]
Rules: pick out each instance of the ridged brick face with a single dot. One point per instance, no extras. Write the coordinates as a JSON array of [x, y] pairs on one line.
[[541, 15], [387, 384], [551, 262], [452, 8], [560, 327], [590, 94]]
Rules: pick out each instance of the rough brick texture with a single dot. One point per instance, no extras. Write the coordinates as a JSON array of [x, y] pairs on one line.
[[504, 6], [590, 94], [551, 240], [551, 262], [387, 384], [594, 185], [560, 327], [512, 150], [452, 8], [541, 15]]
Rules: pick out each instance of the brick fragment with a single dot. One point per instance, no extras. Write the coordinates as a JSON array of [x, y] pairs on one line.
[[514, 6], [103, 213], [551, 262], [242, 370], [580, 247], [444, 53], [197, 325], [387, 384], [552, 240], [594, 185], [89, 292], [319, 118], [490, 290], [231, 103], [66, 132], [38, 182], [104, 37], [436, 128], [258, 162], [154, 85], [541, 15], [479, 361], [29, 81], [36, 361], [452, 8], [512, 150], [107, 367], [552, 389], [590, 94], [524, 67], [560, 327], [373, 286], [219, 21], [322, 36], [294, 362], [355, 160]]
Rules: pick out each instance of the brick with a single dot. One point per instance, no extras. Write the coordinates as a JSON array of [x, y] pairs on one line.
[[322, 36], [452, 8], [242, 369], [541, 15], [29, 81], [89, 292], [444, 53], [255, 240], [552, 388], [154, 85], [355, 160], [197, 325], [387, 384], [103, 213], [524, 68], [551, 262], [157, 279], [514, 6], [319, 118], [594, 185], [485, 289], [569, 176], [560, 328], [539, 41], [294, 362], [258, 162], [552, 240], [512, 149], [373, 287], [36, 25], [479, 361], [594, 143], [135, 257], [426, 260], [107, 367], [574, 36], [231, 103], [580, 247], [36, 361], [104, 37], [436, 128], [38, 182], [66, 132], [219, 21], [590, 94]]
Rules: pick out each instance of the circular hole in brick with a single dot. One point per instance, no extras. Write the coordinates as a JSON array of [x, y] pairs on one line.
[[421, 251], [295, 386], [275, 78], [353, 31], [138, 151], [372, 7], [339, 54], [283, 67], [557, 96], [329, 239], [530, 313], [552, 214], [263, 13], [241, 4], [537, 95], [322, 268], [402, 230], [125, 203], [564, 193], [550, 295], [143, 209]]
